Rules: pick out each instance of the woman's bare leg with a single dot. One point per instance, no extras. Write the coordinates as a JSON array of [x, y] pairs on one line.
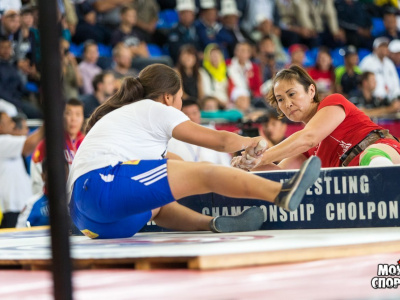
[[188, 178], [178, 217]]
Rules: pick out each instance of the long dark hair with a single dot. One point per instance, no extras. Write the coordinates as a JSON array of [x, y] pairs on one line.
[[191, 50], [153, 81]]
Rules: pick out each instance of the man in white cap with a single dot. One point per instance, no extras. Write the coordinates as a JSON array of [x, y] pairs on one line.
[[184, 31], [209, 30], [230, 20], [394, 54], [378, 62]]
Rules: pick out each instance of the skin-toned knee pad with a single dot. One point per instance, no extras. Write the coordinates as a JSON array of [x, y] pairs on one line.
[[370, 153]]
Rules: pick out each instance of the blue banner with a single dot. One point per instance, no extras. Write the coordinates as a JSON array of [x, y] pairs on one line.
[[341, 198]]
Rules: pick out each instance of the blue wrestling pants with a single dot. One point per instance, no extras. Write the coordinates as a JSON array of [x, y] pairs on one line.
[[116, 202]]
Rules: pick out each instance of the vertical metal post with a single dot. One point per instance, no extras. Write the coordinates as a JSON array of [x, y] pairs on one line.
[[53, 105]]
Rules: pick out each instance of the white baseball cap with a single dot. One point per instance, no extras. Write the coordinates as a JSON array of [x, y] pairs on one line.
[[185, 5], [394, 46]]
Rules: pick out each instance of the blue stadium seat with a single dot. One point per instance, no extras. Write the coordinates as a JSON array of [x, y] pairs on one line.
[[154, 50], [377, 26], [32, 87], [363, 53], [337, 57], [311, 57], [76, 50], [105, 50], [167, 19]]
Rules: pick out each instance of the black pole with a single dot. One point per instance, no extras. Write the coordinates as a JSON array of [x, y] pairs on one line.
[[53, 105]]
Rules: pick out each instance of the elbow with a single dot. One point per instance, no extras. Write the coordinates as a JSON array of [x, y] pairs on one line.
[[310, 140]]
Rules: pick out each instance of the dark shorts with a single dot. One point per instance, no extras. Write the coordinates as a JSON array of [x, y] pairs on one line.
[[116, 202]]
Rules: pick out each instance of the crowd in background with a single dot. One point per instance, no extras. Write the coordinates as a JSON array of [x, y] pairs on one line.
[[227, 52]]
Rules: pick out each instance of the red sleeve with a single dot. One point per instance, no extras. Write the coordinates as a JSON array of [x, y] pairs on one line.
[[336, 99], [256, 81], [40, 152]]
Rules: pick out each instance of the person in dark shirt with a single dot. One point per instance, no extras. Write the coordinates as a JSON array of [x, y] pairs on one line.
[[390, 22], [184, 31], [347, 77], [103, 85]]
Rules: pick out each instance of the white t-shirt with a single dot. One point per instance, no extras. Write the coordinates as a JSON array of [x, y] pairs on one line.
[[15, 185], [140, 130]]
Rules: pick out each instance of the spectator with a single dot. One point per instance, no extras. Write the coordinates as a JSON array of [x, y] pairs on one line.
[[274, 129], [265, 28], [73, 137], [214, 74], [103, 86], [356, 22], [241, 99], [256, 11], [297, 54], [10, 24], [188, 66], [189, 152], [320, 18], [88, 66], [387, 80], [390, 23], [323, 73], [347, 77], [16, 188], [88, 28], [11, 85], [292, 29], [72, 79], [266, 58], [184, 31], [122, 56], [394, 54], [244, 73], [126, 33], [36, 210], [371, 105], [108, 12], [230, 21], [209, 30]]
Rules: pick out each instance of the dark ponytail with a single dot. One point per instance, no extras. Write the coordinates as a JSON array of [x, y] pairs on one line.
[[154, 81]]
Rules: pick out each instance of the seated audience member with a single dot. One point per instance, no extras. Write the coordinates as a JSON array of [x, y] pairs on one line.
[[88, 28], [378, 62], [242, 72], [122, 56], [347, 77], [394, 54], [10, 23], [214, 74], [356, 22], [390, 22], [103, 86], [371, 105], [209, 30], [266, 58], [297, 54], [188, 66], [241, 100], [323, 73], [126, 33], [73, 137], [88, 67], [211, 108], [230, 21], [189, 152], [11, 85], [16, 187], [274, 129], [291, 26], [256, 12], [183, 32], [71, 77], [36, 209]]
